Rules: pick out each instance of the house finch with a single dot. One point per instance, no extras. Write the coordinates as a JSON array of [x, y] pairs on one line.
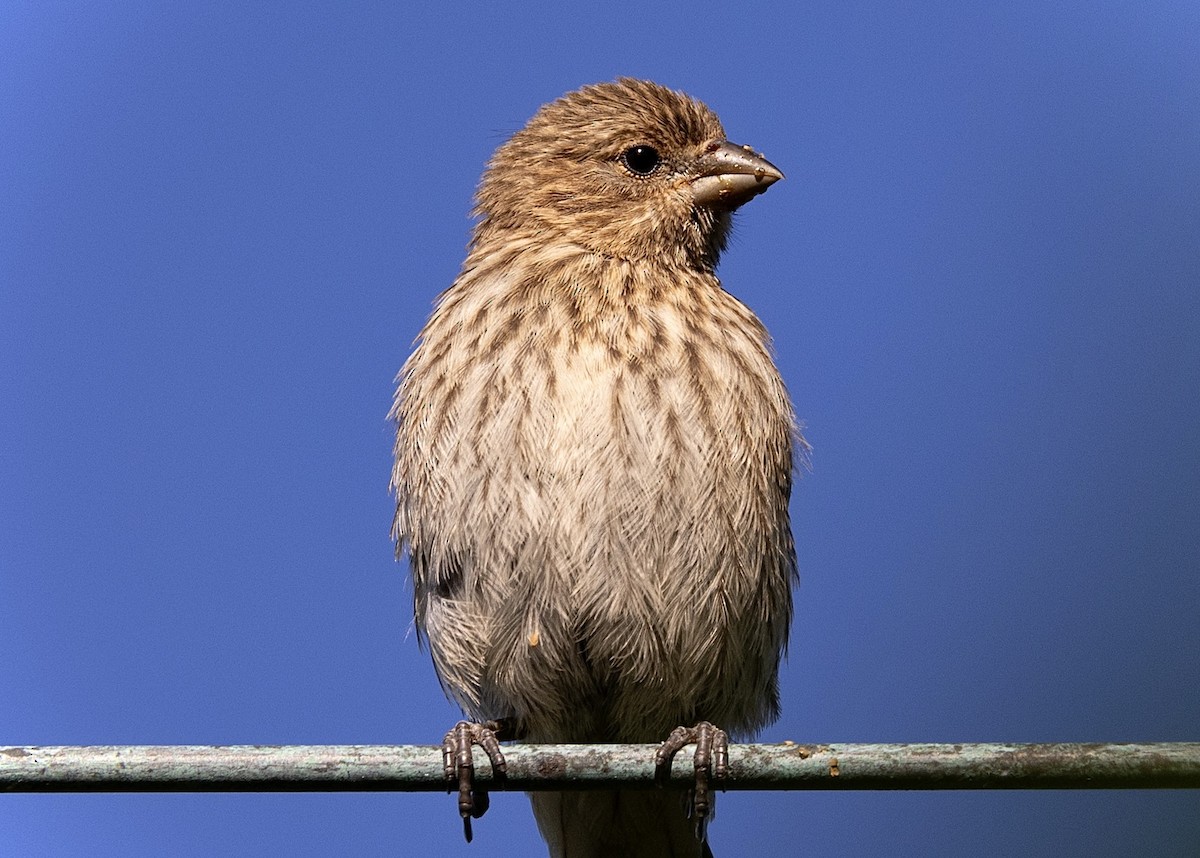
[[594, 459]]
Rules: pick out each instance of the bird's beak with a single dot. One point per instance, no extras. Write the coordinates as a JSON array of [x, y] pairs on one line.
[[729, 175]]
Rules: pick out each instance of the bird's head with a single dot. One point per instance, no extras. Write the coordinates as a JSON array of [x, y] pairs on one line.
[[628, 169]]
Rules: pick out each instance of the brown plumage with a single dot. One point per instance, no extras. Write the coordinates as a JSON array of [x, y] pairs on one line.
[[594, 454]]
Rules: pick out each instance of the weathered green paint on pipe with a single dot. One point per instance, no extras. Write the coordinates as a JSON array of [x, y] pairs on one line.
[[418, 768]]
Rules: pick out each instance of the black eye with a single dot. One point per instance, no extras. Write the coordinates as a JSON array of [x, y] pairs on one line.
[[642, 160]]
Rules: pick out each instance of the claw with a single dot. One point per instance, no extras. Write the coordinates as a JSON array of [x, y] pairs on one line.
[[459, 766], [711, 761]]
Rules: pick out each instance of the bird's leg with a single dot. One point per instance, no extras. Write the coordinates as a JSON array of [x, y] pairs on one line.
[[711, 761], [459, 765]]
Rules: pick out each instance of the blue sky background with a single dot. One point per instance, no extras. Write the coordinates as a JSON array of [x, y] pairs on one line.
[[222, 226]]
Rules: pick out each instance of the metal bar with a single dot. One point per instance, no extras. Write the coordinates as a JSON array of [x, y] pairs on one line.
[[418, 768]]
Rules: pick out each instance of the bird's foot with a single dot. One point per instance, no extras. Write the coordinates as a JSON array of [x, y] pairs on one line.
[[459, 764], [711, 763]]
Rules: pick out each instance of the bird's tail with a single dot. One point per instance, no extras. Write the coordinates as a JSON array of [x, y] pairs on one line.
[[620, 824]]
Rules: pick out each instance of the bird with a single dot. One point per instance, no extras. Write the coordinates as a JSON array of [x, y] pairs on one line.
[[594, 458]]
